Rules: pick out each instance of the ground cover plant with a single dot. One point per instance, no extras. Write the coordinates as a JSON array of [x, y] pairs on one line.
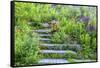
[[50, 32]]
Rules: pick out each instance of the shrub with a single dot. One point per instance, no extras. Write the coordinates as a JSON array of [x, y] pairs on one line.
[[26, 48]]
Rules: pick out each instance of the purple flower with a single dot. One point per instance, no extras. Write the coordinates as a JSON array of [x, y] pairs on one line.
[[90, 28], [84, 19]]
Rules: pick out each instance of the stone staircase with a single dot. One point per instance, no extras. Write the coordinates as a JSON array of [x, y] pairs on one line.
[[52, 61], [44, 35], [57, 51], [51, 48], [43, 30]]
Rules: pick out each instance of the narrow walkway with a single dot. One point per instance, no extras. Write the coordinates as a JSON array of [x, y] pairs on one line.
[[52, 48], [52, 61]]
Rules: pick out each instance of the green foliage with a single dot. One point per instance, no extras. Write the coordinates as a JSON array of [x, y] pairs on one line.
[[26, 49], [26, 42], [58, 37], [69, 30], [85, 40]]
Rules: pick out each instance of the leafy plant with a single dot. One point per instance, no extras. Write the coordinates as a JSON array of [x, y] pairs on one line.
[[29, 16]]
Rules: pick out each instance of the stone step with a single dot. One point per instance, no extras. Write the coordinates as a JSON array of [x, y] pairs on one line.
[[62, 46], [82, 60], [52, 61], [44, 39], [45, 25], [57, 52], [43, 30], [30, 23], [57, 45], [44, 35]]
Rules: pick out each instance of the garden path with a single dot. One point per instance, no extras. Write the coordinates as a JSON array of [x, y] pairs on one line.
[[52, 48]]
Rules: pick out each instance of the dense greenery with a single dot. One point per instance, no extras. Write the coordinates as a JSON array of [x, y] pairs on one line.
[[70, 29]]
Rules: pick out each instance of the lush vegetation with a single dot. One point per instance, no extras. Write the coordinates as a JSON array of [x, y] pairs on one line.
[[70, 29]]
